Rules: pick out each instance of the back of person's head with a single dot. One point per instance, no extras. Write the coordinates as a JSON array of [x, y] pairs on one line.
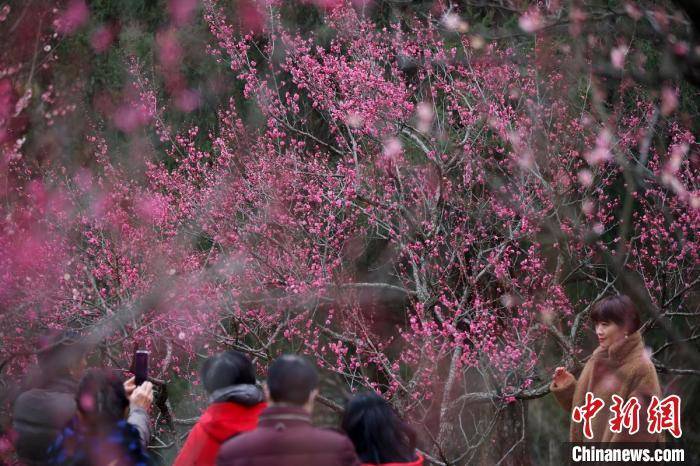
[[227, 369], [377, 432], [101, 399], [60, 352], [291, 379], [618, 309]]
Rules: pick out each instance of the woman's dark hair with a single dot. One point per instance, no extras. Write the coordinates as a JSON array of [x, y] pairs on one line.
[[101, 398], [226, 369], [377, 432], [618, 309]]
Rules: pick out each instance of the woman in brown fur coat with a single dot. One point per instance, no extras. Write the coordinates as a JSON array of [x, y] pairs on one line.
[[619, 366]]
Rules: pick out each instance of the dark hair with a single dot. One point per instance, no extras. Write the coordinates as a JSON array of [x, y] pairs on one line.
[[618, 309], [59, 351], [101, 398], [225, 369], [377, 432], [291, 379]]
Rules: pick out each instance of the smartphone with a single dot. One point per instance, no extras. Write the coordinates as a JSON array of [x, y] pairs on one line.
[[140, 366]]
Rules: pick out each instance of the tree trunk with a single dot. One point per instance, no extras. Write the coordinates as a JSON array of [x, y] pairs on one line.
[[510, 440]]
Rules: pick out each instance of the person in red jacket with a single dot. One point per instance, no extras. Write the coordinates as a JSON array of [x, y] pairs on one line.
[[235, 403], [378, 433], [286, 436]]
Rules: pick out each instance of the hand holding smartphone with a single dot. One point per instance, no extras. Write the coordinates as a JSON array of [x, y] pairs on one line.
[[140, 367]]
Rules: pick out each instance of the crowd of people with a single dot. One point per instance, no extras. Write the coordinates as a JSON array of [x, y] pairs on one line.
[[80, 417]]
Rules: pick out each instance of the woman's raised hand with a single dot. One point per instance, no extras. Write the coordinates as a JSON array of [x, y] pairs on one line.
[[561, 375]]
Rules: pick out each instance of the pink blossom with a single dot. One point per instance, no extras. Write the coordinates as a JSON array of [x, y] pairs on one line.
[[7, 99], [392, 148], [327, 4], [588, 207], [454, 22], [477, 42], [425, 115], [181, 11], [578, 17], [101, 38], [129, 117], [585, 177], [354, 120], [618, 55], [73, 17], [4, 11], [531, 21], [252, 16], [187, 100], [695, 201], [669, 100], [601, 153], [681, 48], [169, 50], [153, 208], [633, 11]]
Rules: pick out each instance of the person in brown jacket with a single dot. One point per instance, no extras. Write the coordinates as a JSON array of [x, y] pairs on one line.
[[284, 435], [619, 366]]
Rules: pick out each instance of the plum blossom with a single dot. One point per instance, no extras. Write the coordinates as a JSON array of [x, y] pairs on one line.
[[182, 11], [531, 21], [73, 17], [669, 100], [618, 55], [102, 38], [454, 22], [585, 177], [4, 11], [602, 151]]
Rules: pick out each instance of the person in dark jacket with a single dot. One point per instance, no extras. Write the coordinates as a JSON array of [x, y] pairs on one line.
[[285, 435], [235, 404], [99, 434], [41, 412], [379, 435]]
